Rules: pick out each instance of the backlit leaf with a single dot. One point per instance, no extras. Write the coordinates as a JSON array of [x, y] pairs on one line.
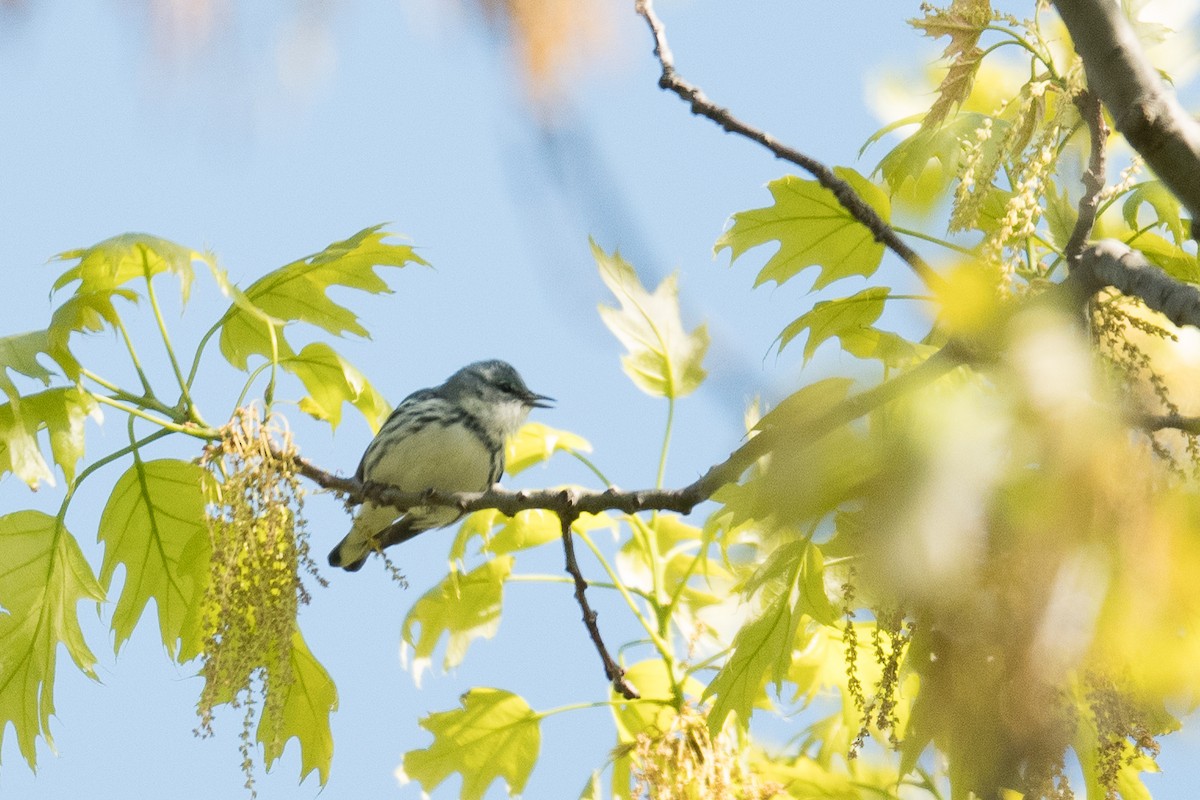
[[61, 413], [1173, 259], [848, 318], [297, 292], [494, 735], [762, 652], [462, 607], [154, 516], [43, 579], [310, 700], [332, 381], [536, 442], [663, 359], [105, 266], [652, 712], [812, 229], [1161, 201]]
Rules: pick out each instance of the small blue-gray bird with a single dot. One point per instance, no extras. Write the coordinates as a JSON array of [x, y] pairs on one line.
[[449, 438]]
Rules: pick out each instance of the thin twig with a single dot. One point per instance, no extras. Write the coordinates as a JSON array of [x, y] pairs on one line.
[[612, 670], [1093, 179], [845, 194]]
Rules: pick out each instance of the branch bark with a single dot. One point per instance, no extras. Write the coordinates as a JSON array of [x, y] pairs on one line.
[[1113, 263], [1143, 108], [845, 194]]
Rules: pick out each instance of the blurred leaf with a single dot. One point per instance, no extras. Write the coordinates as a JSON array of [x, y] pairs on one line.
[[154, 516], [593, 789], [675, 544], [812, 228], [848, 318], [530, 528], [1161, 201], [297, 293], [654, 711], [536, 442], [494, 735], [463, 607], [105, 266], [1174, 260], [61, 412], [906, 168], [44, 578], [1060, 214], [663, 360], [310, 700], [332, 381]]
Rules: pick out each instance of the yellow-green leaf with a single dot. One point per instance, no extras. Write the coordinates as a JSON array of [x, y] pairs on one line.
[[105, 266], [663, 359], [296, 292], [19, 353], [310, 700], [42, 581], [494, 735], [653, 712], [1173, 259], [848, 318], [536, 442], [462, 607], [908, 167], [812, 229], [762, 650], [963, 22], [153, 517], [61, 413], [1164, 204], [331, 381]]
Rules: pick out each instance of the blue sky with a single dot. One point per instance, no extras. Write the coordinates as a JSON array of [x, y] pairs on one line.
[[417, 119]]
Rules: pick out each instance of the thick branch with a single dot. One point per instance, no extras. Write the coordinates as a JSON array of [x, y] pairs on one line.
[[1158, 422], [846, 196], [1113, 263], [1144, 110]]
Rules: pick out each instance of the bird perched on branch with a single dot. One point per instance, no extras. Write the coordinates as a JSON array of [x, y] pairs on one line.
[[449, 438]]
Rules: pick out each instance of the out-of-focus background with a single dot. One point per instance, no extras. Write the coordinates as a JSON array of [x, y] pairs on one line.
[[496, 137]]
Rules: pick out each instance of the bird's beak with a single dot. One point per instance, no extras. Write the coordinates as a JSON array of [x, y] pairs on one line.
[[538, 401]]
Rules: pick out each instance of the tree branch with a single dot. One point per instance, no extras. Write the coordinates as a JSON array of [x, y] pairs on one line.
[[1113, 263], [1144, 110], [1093, 179], [612, 670], [1158, 422], [845, 194]]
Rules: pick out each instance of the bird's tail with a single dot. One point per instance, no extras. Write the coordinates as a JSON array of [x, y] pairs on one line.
[[352, 551]]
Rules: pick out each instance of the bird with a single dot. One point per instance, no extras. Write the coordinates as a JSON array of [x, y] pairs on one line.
[[449, 438]]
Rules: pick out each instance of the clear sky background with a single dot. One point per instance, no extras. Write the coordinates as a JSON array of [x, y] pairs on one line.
[[299, 123]]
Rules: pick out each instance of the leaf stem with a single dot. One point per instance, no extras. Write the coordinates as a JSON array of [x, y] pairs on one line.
[[538, 578], [666, 445], [105, 461], [933, 240], [133, 356], [185, 395], [197, 431], [587, 462]]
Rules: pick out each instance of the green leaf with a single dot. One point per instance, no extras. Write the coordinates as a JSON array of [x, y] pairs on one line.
[[154, 517], [332, 381], [906, 169], [654, 711], [296, 292], [19, 353], [663, 360], [963, 22], [1160, 199], [536, 442], [1174, 260], [494, 735], [463, 607], [61, 412], [812, 228], [43, 579], [762, 651], [310, 700], [848, 318], [105, 266]]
